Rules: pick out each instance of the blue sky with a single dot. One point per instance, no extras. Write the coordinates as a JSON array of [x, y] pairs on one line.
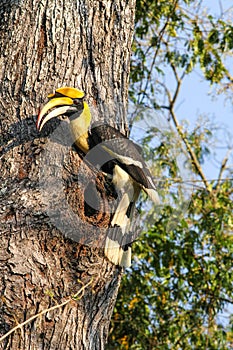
[[197, 98]]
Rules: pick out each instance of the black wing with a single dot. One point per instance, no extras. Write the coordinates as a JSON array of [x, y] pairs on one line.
[[111, 147]]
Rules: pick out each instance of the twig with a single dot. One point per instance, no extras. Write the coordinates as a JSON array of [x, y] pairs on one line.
[[223, 167], [180, 132], [190, 150], [45, 311]]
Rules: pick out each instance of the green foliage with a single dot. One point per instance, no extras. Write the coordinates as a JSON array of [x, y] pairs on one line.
[[198, 140], [183, 279], [180, 284]]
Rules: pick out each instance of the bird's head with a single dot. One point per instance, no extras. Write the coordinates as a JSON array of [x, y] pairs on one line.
[[65, 100]]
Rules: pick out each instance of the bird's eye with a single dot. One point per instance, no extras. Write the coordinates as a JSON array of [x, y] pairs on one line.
[[76, 102]]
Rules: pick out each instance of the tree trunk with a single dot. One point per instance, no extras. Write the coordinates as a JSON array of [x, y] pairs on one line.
[[51, 240]]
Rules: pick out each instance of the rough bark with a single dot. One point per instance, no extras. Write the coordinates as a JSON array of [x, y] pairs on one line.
[[51, 241]]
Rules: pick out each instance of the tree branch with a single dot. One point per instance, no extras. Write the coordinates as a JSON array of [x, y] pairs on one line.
[[191, 153], [222, 168]]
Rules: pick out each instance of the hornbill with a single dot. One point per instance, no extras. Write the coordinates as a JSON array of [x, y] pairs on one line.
[[126, 166]]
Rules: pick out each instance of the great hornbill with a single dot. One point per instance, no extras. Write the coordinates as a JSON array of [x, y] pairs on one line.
[[128, 170]]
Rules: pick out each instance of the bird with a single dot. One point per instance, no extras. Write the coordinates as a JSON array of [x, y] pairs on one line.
[[115, 154]]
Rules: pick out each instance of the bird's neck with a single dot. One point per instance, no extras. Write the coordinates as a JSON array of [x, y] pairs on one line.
[[80, 123]]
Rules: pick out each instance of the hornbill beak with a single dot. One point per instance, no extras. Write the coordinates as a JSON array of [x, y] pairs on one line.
[[63, 101]]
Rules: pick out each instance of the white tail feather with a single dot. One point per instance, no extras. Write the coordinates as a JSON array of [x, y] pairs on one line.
[[130, 190], [116, 254], [120, 218], [113, 249], [153, 194]]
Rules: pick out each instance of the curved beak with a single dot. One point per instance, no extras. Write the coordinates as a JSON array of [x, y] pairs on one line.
[[63, 99], [64, 104]]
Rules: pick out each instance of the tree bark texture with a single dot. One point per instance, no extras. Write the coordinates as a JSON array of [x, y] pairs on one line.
[[51, 240]]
